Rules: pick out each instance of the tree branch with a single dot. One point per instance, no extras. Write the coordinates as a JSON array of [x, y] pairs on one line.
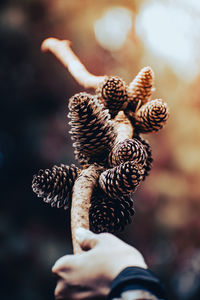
[[85, 183], [82, 193], [123, 127], [64, 53]]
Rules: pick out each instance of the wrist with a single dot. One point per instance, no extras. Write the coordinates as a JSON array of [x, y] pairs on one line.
[[137, 279]]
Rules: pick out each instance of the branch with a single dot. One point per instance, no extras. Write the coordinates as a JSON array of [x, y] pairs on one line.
[[82, 192], [85, 183], [123, 127], [64, 53]]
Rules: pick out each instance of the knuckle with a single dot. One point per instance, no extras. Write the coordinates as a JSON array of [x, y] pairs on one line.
[[105, 235]]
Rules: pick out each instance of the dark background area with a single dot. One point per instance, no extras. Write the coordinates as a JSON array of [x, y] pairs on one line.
[[35, 90]]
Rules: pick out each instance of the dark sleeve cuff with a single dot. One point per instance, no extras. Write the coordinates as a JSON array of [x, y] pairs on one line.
[[135, 278]]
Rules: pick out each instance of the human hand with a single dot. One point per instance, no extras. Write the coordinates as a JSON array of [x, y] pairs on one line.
[[89, 275]]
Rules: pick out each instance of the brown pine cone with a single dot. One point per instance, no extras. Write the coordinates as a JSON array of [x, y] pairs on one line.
[[152, 116], [113, 94], [128, 150], [140, 88], [91, 128], [55, 185], [121, 180], [149, 160], [109, 214]]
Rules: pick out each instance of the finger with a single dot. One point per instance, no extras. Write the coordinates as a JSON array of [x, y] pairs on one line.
[[86, 238], [110, 241], [60, 291], [63, 263]]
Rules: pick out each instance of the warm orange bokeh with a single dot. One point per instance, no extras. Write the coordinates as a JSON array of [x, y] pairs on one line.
[[166, 225]]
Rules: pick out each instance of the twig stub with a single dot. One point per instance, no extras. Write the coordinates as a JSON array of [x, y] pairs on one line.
[[64, 53]]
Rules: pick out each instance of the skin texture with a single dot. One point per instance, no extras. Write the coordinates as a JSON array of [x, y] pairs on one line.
[[89, 275]]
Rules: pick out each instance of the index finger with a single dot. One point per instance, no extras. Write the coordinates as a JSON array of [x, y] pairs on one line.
[[63, 263]]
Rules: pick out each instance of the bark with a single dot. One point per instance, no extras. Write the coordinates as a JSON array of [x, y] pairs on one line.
[[82, 192], [123, 127]]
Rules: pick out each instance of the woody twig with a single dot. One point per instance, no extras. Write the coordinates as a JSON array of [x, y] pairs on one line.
[[105, 128], [63, 52]]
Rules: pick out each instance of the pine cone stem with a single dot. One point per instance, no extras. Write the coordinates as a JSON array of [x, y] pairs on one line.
[[82, 193], [63, 52], [123, 127]]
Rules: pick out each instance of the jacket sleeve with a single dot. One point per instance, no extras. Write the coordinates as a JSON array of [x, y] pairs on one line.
[[135, 283]]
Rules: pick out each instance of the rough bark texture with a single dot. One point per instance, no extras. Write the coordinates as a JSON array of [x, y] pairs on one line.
[[82, 193]]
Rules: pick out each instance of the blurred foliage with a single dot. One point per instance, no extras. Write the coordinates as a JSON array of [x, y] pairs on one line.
[[34, 134]]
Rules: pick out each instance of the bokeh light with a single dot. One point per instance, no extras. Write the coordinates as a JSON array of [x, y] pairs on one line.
[[112, 28], [167, 28], [112, 38]]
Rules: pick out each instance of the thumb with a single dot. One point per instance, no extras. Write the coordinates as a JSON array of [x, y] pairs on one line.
[[86, 238]]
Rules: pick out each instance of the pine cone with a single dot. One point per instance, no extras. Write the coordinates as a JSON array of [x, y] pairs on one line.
[[121, 180], [128, 150], [109, 214], [113, 92], [55, 185], [140, 88], [152, 116], [149, 160], [91, 129]]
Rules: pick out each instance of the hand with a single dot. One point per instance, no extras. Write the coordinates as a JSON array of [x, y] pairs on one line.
[[89, 275]]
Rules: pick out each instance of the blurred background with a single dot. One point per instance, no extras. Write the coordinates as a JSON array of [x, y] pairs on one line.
[[114, 38]]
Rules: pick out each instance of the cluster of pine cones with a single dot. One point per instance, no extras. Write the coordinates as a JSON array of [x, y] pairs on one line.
[[125, 164]]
